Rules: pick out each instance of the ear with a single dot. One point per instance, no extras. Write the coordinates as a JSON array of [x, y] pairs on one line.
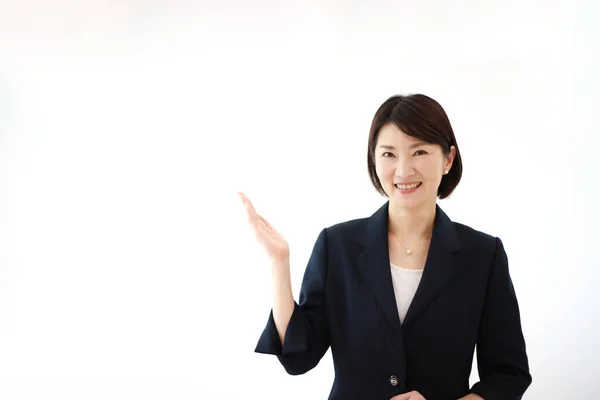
[[449, 159]]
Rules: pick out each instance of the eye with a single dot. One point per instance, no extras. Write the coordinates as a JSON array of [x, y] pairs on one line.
[[387, 152], [420, 152]]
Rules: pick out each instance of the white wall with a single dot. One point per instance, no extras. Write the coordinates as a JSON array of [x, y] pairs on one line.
[[127, 270]]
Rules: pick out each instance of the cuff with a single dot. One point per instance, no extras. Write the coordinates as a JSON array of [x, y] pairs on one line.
[[295, 340]]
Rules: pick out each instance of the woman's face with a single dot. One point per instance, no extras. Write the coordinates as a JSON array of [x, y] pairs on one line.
[[409, 170]]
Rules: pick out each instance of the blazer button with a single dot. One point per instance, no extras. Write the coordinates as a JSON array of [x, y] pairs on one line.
[[393, 380]]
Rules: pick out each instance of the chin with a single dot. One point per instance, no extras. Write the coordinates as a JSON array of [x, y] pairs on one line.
[[410, 201], [406, 204]]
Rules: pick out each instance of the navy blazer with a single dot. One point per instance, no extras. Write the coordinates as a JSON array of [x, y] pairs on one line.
[[465, 299]]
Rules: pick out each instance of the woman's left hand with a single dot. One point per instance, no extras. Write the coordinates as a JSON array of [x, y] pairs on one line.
[[414, 395]]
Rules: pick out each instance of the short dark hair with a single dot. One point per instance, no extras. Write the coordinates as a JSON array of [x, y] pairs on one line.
[[421, 117]]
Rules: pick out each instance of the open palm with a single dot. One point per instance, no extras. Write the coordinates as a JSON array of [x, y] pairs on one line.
[[272, 241]]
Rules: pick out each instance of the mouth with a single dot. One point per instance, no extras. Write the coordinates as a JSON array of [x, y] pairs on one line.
[[408, 187]]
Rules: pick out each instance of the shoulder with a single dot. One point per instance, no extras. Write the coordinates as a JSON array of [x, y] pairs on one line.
[[475, 240], [351, 227]]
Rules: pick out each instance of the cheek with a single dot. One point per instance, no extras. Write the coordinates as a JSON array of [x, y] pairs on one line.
[[384, 172], [431, 171]]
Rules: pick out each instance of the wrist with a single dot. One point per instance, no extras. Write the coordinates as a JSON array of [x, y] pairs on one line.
[[280, 266]]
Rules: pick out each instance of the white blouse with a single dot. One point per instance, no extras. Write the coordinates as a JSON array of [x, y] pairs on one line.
[[405, 283]]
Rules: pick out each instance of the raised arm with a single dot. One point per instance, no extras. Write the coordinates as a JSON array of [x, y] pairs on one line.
[[306, 338], [297, 333]]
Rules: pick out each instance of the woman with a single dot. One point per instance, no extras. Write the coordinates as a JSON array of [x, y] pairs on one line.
[[405, 296]]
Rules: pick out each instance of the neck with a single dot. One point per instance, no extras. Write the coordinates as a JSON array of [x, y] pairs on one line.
[[411, 223]]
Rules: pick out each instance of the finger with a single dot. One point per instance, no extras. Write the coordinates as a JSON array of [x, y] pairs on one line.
[[260, 225], [242, 197], [261, 221], [267, 224], [248, 206], [256, 216], [257, 221]]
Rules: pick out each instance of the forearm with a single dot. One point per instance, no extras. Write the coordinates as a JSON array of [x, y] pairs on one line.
[[283, 299]]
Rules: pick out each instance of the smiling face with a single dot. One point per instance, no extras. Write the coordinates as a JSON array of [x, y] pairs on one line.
[[410, 170]]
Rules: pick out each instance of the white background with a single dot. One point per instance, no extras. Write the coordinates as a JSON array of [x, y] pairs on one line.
[[127, 269]]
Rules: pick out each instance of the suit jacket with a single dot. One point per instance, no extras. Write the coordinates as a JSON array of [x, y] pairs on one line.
[[465, 300]]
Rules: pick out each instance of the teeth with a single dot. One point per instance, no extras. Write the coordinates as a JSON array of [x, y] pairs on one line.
[[406, 187]]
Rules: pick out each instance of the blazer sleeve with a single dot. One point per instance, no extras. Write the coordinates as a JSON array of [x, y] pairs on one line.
[[501, 354], [307, 336]]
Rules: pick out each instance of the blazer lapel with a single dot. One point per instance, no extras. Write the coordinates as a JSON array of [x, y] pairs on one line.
[[374, 264], [439, 266]]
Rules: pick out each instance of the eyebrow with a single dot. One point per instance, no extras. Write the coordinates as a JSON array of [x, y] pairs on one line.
[[388, 147]]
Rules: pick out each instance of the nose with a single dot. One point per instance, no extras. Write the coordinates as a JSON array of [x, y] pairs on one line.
[[404, 167]]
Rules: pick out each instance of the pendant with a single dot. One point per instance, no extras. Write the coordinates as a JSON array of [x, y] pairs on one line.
[[408, 252]]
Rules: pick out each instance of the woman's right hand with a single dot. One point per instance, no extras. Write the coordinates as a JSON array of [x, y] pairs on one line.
[[272, 241]]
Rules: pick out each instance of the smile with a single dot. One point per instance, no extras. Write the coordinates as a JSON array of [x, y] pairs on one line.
[[408, 187]]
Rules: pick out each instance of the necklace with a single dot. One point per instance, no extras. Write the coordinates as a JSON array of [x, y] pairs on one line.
[[408, 251]]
